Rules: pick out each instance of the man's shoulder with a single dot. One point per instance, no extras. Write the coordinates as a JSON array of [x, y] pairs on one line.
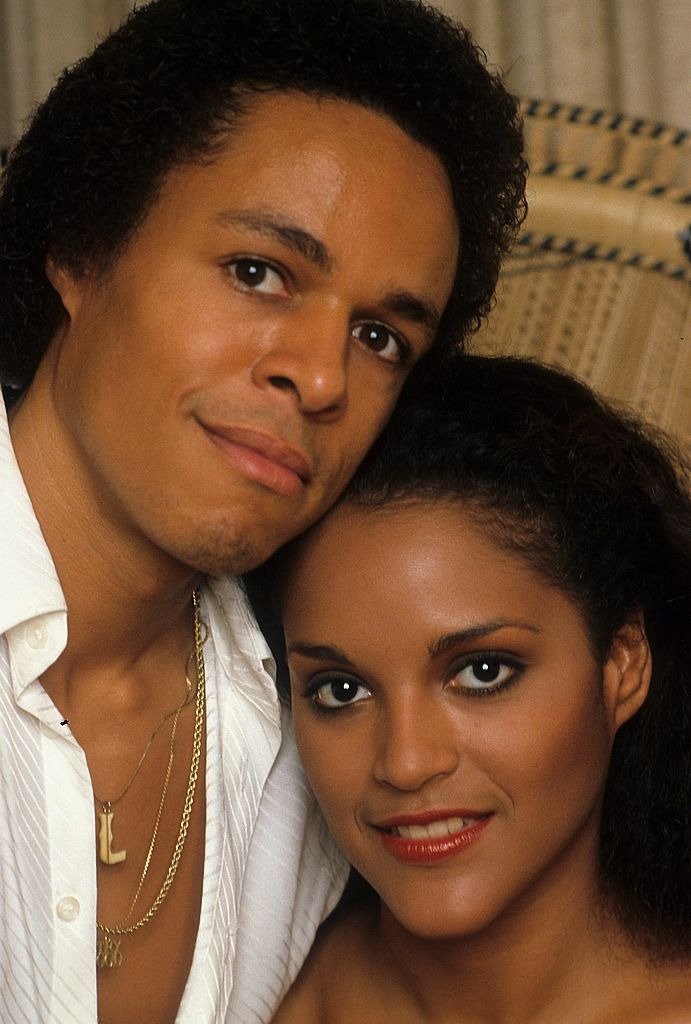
[[29, 584]]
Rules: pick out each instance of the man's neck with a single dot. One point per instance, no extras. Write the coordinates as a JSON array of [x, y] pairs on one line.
[[121, 590], [126, 599]]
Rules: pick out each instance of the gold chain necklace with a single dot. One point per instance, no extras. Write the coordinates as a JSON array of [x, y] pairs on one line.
[[106, 853], [108, 953]]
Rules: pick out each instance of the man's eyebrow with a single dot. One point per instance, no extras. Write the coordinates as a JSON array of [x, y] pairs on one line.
[[464, 636], [271, 225], [320, 652], [413, 308]]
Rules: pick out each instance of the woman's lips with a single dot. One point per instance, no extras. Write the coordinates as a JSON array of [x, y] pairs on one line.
[[263, 457], [422, 839]]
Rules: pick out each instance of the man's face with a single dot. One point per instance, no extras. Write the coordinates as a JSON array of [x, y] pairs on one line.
[[220, 384]]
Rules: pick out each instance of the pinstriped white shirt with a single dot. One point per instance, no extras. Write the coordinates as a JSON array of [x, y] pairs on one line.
[[271, 871]]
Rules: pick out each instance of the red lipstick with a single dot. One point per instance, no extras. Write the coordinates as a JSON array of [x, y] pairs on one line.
[[431, 836]]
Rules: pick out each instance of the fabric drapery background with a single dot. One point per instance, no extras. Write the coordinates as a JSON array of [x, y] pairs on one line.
[[37, 39], [629, 57], [632, 56]]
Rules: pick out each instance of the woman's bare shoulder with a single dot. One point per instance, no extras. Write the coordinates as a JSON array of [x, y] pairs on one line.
[[671, 997], [334, 971], [656, 995]]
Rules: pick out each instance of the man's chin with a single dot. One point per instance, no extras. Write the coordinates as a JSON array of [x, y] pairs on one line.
[[225, 553]]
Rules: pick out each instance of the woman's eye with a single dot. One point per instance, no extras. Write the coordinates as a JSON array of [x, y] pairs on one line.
[[257, 276], [486, 673], [338, 692], [382, 341]]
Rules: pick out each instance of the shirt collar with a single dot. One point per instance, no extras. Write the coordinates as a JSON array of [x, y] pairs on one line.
[[241, 647], [33, 612]]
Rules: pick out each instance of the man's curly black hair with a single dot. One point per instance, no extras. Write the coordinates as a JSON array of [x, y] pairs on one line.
[[168, 86]]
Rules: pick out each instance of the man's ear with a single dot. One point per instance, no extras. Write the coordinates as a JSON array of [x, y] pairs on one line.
[[66, 284], [627, 672]]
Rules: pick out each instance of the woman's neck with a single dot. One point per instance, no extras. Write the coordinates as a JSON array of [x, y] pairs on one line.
[[544, 960]]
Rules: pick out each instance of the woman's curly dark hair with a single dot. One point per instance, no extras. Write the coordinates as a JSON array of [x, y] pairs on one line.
[[168, 86], [600, 505]]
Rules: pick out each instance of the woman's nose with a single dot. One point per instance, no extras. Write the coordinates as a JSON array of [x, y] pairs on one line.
[[416, 743]]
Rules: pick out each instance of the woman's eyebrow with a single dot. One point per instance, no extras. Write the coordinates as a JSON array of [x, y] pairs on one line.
[[482, 629], [320, 652]]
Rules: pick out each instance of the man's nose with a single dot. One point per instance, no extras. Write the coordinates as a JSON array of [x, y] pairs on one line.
[[416, 742], [309, 358]]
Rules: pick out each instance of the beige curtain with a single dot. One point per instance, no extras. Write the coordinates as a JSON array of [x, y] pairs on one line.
[[37, 39], [632, 56]]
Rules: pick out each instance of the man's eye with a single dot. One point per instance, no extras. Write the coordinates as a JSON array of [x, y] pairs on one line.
[[486, 673], [384, 342], [338, 692], [257, 276]]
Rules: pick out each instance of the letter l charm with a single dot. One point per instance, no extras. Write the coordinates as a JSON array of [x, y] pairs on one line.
[[106, 853]]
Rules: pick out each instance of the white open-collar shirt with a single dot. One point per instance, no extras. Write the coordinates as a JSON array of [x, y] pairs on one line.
[[271, 870]]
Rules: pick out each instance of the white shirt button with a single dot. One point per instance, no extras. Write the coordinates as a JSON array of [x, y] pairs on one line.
[[36, 636], [68, 908]]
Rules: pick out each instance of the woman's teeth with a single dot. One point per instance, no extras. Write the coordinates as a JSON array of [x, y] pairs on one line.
[[435, 829]]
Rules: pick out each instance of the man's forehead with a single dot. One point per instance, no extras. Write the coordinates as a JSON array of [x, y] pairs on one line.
[[302, 112], [288, 141]]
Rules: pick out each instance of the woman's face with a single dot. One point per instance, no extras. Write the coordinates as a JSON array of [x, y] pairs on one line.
[[452, 718]]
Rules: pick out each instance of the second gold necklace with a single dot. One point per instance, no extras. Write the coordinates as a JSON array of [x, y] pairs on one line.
[[106, 853]]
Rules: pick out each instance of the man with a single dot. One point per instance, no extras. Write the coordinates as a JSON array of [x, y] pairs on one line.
[[225, 240]]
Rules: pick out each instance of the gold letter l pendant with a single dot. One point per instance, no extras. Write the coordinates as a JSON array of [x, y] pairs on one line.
[[106, 853]]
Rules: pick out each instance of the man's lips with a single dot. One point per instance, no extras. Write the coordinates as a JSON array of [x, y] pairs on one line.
[[431, 835], [265, 458]]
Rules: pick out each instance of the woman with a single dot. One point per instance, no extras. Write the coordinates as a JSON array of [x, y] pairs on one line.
[[489, 643]]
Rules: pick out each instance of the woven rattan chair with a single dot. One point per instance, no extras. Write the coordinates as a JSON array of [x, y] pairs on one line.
[[600, 280]]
